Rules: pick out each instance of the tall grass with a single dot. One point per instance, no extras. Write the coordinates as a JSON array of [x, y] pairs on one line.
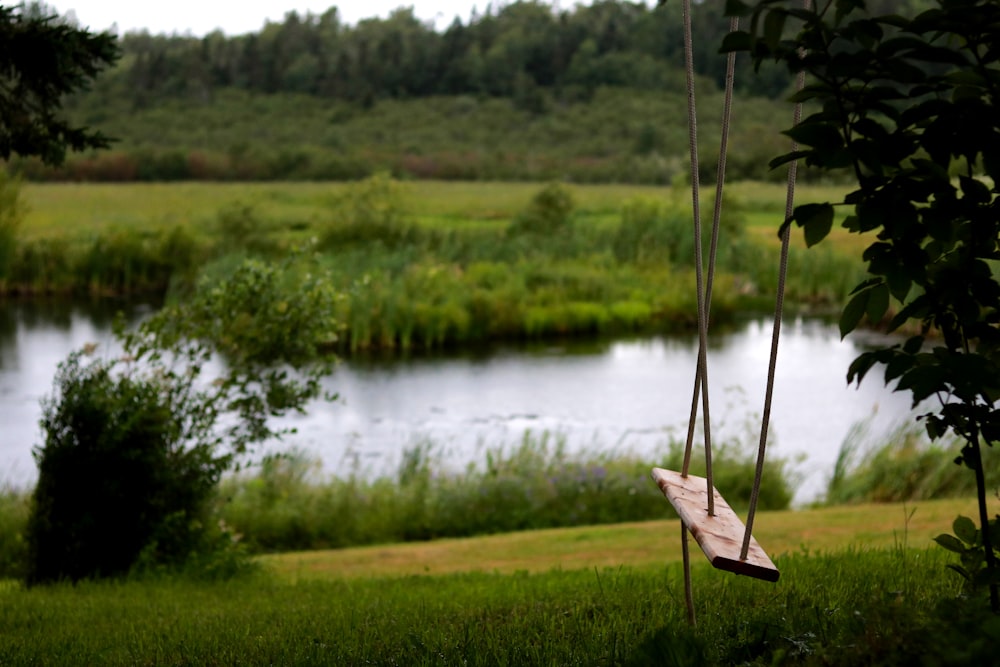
[[565, 261], [534, 483], [14, 508], [884, 607], [906, 465]]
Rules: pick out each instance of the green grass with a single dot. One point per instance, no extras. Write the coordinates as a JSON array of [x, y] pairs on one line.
[[74, 210], [420, 264], [535, 483], [646, 544], [860, 602]]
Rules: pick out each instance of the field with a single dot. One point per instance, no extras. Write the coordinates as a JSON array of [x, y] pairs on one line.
[[588, 596], [860, 584], [80, 210], [429, 264]]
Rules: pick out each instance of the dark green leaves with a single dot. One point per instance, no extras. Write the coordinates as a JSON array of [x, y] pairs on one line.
[[43, 61], [816, 221], [821, 135], [871, 299]]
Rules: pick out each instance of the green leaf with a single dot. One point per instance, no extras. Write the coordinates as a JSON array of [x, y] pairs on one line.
[[900, 364], [787, 157], [974, 190], [774, 25], [853, 312], [860, 367], [966, 530], [951, 543], [816, 221], [823, 135], [913, 344], [737, 8], [878, 303], [736, 41], [899, 283]]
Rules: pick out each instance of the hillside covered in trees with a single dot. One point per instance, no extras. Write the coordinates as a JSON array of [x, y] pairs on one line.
[[523, 91]]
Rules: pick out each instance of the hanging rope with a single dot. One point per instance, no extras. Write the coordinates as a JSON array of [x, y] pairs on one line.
[[776, 330], [704, 294], [702, 372]]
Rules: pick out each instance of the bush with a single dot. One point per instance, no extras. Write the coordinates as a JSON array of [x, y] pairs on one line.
[[549, 213], [114, 475], [135, 446], [369, 212]]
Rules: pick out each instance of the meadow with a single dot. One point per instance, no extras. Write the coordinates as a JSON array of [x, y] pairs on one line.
[[430, 264], [858, 586], [440, 577]]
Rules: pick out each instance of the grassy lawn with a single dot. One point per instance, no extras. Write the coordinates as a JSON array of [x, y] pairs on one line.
[[643, 544], [849, 594], [75, 209]]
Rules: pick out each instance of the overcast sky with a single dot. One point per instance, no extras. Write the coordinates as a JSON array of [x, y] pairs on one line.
[[235, 18]]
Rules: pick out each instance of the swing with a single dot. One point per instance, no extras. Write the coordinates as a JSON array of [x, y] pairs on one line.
[[722, 536]]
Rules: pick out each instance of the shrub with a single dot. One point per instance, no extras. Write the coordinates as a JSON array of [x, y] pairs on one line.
[[114, 474], [549, 213], [134, 446], [367, 212]]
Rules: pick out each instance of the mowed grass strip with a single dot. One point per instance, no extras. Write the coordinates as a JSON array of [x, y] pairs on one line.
[[644, 544], [80, 209], [77, 210]]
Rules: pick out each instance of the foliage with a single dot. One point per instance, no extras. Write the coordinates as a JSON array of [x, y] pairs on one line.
[[43, 60], [452, 138], [905, 466], [115, 476], [514, 51], [548, 215], [135, 445], [849, 607], [286, 505], [372, 211], [968, 543], [12, 210], [904, 104]]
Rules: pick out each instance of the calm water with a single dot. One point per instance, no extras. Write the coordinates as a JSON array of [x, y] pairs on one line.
[[632, 394]]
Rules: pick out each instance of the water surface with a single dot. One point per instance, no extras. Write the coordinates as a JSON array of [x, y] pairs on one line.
[[615, 395]]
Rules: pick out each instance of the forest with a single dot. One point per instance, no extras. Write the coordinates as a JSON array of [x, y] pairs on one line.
[[594, 93]]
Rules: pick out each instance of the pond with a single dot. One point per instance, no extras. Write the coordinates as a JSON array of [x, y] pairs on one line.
[[615, 395]]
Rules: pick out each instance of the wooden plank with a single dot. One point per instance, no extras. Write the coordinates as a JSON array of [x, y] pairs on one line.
[[719, 536]]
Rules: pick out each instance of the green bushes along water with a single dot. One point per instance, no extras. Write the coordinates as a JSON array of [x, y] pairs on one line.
[[550, 266]]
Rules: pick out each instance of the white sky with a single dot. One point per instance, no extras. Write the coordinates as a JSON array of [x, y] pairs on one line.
[[235, 18]]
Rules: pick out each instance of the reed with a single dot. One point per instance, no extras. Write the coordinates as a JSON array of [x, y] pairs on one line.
[[852, 606], [905, 466], [534, 483]]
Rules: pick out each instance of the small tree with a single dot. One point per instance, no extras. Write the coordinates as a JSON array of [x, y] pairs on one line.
[[134, 446], [908, 106], [43, 59]]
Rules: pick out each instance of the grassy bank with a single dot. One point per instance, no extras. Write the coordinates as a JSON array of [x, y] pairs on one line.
[[646, 544], [571, 596], [425, 265]]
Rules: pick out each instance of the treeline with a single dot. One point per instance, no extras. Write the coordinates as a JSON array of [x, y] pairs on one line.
[[522, 92], [506, 52]]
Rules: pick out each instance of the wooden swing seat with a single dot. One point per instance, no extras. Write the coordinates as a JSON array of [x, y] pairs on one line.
[[719, 536]]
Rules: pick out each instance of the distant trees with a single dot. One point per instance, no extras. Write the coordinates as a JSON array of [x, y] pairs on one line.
[[502, 52], [43, 59]]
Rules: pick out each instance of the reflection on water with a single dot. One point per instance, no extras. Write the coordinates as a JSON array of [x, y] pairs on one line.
[[606, 395]]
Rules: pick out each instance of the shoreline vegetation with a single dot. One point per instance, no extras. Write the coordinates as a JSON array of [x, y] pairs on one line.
[[285, 504], [422, 265]]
